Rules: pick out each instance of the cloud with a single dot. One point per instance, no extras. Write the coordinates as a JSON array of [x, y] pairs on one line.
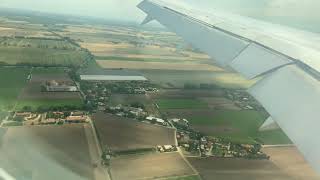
[[293, 8]]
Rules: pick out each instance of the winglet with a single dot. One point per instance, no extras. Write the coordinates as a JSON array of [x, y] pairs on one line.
[[147, 20]]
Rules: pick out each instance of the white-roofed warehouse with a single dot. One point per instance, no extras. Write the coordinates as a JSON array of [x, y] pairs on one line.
[[112, 75]]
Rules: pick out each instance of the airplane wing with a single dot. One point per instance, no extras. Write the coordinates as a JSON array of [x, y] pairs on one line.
[[288, 60]]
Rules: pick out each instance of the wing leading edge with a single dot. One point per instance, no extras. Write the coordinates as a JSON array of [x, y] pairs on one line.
[[287, 59]]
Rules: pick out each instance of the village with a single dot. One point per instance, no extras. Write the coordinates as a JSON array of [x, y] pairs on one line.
[[47, 118], [97, 93]]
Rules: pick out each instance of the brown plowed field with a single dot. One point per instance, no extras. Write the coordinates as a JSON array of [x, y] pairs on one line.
[[239, 169], [149, 166], [120, 134], [46, 152]]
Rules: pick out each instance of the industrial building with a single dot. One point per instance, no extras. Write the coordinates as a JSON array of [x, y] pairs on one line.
[[54, 86], [112, 75]]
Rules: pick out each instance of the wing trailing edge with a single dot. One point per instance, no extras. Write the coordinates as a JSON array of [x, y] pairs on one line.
[[287, 61]]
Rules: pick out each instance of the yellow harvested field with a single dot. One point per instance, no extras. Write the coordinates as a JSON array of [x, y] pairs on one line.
[[127, 50], [157, 65], [5, 29], [290, 160], [142, 56], [84, 29], [196, 55], [105, 47]]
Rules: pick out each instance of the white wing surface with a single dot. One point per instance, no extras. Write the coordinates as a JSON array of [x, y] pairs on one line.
[[288, 59]]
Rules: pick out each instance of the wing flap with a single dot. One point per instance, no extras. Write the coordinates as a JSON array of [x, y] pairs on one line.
[[256, 60], [289, 91], [291, 96]]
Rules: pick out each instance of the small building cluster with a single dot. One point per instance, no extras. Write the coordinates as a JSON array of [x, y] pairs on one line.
[[243, 99], [167, 148], [127, 111], [59, 86], [48, 118], [155, 120]]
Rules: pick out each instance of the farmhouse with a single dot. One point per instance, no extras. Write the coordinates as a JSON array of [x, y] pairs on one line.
[[112, 75], [55, 86], [23, 114], [76, 119]]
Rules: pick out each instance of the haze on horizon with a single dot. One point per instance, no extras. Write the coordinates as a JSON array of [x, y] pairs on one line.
[[296, 13]]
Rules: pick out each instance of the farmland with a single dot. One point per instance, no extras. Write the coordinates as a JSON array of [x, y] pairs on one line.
[[291, 161], [194, 177], [119, 134], [46, 152], [177, 79], [156, 65], [237, 125], [38, 56], [34, 97], [11, 87], [180, 104], [242, 169], [149, 166], [29, 44], [209, 112]]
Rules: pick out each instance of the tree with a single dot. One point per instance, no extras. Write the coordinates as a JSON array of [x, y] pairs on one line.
[[138, 105], [27, 108]]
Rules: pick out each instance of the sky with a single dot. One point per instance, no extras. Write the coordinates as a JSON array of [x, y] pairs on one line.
[[301, 13]]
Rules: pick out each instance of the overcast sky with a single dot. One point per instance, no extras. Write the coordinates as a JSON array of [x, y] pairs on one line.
[[301, 12]]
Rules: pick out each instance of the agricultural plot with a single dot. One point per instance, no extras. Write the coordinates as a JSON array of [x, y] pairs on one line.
[[157, 65], [149, 166], [240, 169], [127, 99], [39, 43], [194, 177], [177, 79], [239, 126], [39, 56], [13, 80], [11, 29], [33, 95], [46, 152], [290, 160], [181, 104], [210, 113], [120, 134]]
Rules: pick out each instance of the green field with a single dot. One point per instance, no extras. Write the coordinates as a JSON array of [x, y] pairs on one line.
[[49, 70], [273, 137], [12, 81], [39, 56], [180, 104], [240, 126]]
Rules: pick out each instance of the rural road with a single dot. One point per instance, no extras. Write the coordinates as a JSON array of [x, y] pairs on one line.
[[100, 172], [184, 158]]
